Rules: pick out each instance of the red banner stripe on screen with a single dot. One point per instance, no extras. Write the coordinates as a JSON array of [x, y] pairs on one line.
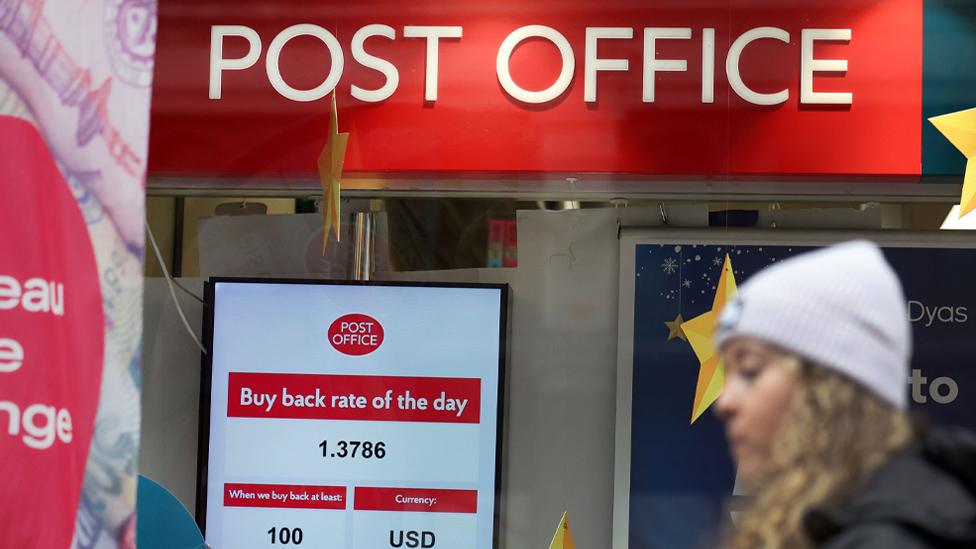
[[416, 500], [364, 398], [285, 496]]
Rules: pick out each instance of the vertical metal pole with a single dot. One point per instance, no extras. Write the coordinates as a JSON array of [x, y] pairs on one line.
[[363, 267], [179, 207]]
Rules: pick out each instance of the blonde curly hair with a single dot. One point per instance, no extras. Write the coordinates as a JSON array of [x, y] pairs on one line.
[[834, 435]]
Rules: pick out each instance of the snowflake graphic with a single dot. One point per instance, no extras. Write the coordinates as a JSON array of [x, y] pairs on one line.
[[686, 283], [669, 266], [717, 261]]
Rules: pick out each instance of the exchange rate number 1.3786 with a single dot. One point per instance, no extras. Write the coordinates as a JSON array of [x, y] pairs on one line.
[[353, 449]]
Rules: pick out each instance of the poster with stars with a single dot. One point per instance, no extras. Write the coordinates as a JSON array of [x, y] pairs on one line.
[[677, 483]]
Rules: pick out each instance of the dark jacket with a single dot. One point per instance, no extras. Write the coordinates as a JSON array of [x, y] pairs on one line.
[[923, 497]]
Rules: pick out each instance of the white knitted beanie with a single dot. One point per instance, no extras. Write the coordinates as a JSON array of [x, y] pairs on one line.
[[841, 307]]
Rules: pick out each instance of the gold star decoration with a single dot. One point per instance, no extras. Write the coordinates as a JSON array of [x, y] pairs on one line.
[[960, 129], [330, 174], [700, 331], [563, 539], [674, 329]]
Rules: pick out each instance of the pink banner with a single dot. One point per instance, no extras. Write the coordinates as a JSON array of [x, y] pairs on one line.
[[74, 126]]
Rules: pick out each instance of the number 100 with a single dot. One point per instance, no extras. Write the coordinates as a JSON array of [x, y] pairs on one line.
[[285, 536]]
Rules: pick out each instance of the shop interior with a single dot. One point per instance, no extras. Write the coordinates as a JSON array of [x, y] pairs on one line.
[[561, 400]]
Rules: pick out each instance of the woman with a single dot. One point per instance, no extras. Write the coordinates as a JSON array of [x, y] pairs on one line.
[[816, 352]]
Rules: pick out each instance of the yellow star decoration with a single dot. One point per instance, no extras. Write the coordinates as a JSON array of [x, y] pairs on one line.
[[674, 329], [960, 129], [700, 330], [330, 174], [563, 539]]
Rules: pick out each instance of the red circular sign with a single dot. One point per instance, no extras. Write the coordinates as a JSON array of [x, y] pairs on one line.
[[356, 334], [51, 344]]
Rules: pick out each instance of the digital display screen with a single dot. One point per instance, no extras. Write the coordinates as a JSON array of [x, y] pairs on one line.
[[354, 416]]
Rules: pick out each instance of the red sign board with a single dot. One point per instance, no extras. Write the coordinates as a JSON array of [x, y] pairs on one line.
[[672, 87]]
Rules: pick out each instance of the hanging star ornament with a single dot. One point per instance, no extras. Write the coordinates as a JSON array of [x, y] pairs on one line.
[[674, 329], [563, 539], [330, 174], [700, 331], [960, 129]]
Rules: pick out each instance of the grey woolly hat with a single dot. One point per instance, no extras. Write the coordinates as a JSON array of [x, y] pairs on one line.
[[841, 307]]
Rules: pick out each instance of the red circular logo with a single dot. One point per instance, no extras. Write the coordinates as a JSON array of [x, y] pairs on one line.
[[356, 334]]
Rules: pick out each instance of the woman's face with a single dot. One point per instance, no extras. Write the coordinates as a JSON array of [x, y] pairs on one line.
[[758, 387]]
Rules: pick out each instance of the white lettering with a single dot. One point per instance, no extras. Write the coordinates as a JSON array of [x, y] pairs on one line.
[[271, 400], [9, 292], [316, 400], [217, 62], [809, 65], [246, 396], [914, 306], [429, 502], [36, 298], [592, 64], [41, 436], [387, 69], [442, 403], [732, 66], [57, 298], [249, 398], [13, 416], [64, 427], [936, 393], [349, 401], [11, 355], [708, 66], [433, 36], [944, 314], [356, 327], [935, 389], [54, 424], [355, 339], [652, 64], [273, 67], [35, 295], [562, 82], [917, 381]]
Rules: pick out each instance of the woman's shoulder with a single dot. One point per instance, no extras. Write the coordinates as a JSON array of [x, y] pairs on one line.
[[924, 496]]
